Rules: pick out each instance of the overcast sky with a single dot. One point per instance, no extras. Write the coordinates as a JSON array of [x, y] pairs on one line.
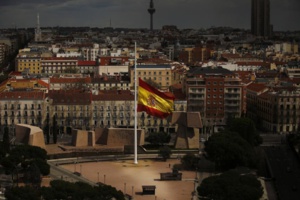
[[285, 14]]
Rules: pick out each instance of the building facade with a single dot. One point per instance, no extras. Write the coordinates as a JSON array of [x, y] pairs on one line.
[[216, 93], [29, 65], [80, 109], [274, 109], [22, 107], [160, 74]]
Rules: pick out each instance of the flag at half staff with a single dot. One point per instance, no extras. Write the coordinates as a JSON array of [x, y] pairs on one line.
[[154, 102]]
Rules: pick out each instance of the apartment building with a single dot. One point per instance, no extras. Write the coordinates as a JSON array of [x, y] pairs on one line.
[[22, 107], [292, 69], [275, 109], [3, 52], [87, 67], [109, 83], [72, 108], [216, 93], [29, 64], [194, 55], [68, 82], [160, 74], [54, 65]]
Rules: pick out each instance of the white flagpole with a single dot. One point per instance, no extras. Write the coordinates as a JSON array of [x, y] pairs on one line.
[[135, 107]]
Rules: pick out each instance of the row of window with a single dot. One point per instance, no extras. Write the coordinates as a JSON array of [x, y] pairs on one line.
[[28, 60], [18, 114], [154, 73], [18, 106], [57, 63], [30, 64]]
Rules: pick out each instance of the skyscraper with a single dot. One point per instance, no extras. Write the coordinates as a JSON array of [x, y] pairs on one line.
[[151, 11], [260, 18]]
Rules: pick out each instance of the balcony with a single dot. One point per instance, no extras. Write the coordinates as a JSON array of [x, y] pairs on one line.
[[195, 97], [232, 97], [196, 91], [232, 110], [196, 102]]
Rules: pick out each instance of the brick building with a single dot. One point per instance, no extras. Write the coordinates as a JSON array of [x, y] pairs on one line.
[[216, 93]]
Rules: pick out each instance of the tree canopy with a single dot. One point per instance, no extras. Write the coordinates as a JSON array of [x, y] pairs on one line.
[[60, 189], [228, 150], [190, 161], [165, 152], [245, 127], [26, 158], [159, 138], [230, 186]]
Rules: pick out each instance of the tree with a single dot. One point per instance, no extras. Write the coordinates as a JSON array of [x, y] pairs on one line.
[[245, 127], [228, 150], [47, 130], [32, 175], [5, 140], [54, 129], [159, 138], [24, 193], [25, 156], [231, 186], [190, 161], [165, 152], [66, 190]]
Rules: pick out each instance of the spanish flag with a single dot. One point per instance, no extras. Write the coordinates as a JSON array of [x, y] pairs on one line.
[[154, 102]]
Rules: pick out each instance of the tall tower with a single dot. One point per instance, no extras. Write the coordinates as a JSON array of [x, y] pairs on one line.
[[38, 32], [260, 18], [151, 11]]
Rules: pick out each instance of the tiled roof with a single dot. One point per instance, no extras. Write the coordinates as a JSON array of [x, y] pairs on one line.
[[15, 73], [257, 87], [22, 95], [71, 80], [269, 74], [152, 66], [70, 97], [154, 61], [230, 55], [86, 63], [43, 83], [59, 58], [209, 70], [114, 95], [110, 80]]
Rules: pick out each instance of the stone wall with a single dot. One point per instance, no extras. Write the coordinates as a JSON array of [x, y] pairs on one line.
[[107, 136]]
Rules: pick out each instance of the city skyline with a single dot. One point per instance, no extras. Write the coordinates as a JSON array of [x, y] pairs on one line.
[[133, 13]]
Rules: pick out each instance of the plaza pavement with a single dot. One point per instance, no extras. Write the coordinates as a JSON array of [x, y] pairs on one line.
[[128, 177]]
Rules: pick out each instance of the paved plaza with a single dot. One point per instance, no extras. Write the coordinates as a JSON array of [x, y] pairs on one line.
[[129, 177]]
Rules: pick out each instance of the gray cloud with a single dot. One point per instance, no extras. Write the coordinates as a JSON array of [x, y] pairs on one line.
[[133, 13]]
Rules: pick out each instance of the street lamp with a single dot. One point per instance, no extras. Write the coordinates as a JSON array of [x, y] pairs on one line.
[[125, 188], [132, 189], [195, 184]]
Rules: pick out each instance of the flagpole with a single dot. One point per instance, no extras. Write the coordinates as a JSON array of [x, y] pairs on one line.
[[135, 107]]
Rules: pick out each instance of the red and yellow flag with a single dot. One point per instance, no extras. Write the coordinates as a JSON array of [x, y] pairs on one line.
[[154, 102]]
